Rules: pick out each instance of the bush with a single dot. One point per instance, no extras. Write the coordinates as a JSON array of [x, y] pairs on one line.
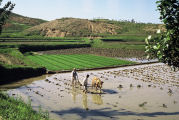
[[166, 48]]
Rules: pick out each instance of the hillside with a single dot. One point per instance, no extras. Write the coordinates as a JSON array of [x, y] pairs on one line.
[[18, 23], [72, 27], [66, 27]]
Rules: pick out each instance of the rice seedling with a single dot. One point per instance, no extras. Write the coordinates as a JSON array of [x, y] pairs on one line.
[[68, 62]]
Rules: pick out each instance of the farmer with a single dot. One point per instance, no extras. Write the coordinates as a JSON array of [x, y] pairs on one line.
[[74, 76], [85, 83]]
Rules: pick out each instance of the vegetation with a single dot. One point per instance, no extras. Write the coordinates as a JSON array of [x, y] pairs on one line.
[[5, 12], [107, 52], [166, 46], [117, 44], [17, 23], [72, 27], [126, 38], [13, 57], [132, 27], [16, 109], [14, 63], [68, 62]]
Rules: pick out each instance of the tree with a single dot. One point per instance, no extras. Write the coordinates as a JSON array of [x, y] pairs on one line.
[[166, 45], [5, 12]]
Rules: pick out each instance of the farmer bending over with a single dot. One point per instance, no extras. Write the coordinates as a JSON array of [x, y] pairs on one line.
[[74, 76]]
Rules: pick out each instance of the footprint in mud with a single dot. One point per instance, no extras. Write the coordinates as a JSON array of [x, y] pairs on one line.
[[108, 103], [142, 104], [46, 80], [170, 91], [120, 86], [175, 102], [67, 88], [164, 105], [106, 78], [101, 77], [114, 105], [29, 89], [139, 86], [91, 74], [57, 84], [66, 83], [154, 86]]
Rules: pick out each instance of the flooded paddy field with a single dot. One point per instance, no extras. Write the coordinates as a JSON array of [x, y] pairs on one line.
[[143, 92]]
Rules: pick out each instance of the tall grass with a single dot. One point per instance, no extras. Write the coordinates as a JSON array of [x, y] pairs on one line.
[[15, 109]]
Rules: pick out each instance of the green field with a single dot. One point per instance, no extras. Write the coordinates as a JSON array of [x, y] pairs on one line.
[[131, 45], [68, 62]]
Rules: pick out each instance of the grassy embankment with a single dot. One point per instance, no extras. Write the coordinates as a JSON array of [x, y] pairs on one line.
[[14, 66], [16, 109]]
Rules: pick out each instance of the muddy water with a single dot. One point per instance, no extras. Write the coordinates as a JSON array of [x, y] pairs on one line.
[[145, 92], [138, 60]]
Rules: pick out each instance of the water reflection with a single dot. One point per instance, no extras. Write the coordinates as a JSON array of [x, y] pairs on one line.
[[76, 90], [85, 101], [74, 93], [96, 98]]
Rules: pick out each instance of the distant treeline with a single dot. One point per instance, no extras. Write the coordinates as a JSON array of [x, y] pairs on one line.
[[29, 48]]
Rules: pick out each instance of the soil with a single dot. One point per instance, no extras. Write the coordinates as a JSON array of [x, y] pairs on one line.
[[73, 27], [137, 92], [108, 52]]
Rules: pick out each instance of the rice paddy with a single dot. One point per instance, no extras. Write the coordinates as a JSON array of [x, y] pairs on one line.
[[79, 61]]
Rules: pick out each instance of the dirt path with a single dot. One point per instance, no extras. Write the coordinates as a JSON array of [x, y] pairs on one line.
[[137, 92]]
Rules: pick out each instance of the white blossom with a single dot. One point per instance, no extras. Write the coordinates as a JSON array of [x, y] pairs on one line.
[[149, 37], [158, 31]]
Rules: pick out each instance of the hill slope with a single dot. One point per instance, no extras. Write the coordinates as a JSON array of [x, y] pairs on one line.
[[72, 27], [18, 23], [66, 27]]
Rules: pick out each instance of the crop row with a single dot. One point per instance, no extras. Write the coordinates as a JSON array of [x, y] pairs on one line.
[[68, 62], [40, 40]]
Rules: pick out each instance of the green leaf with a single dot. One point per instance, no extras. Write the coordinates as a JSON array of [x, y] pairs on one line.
[[158, 53], [155, 47], [148, 56], [146, 41]]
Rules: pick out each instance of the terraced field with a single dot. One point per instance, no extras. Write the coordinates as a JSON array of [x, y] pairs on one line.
[[82, 61]]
